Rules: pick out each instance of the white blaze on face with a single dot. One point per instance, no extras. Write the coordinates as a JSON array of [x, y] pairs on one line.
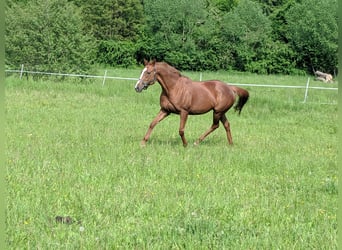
[[142, 73]]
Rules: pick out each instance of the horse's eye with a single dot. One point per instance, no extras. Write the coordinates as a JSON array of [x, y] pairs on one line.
[[148, 72]]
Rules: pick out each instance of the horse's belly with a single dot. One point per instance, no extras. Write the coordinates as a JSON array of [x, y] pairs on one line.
[[201, 105], [198, 112], [171, 109]]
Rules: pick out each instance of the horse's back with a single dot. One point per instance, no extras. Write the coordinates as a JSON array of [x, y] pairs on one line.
[[216, 94], [219, 89]]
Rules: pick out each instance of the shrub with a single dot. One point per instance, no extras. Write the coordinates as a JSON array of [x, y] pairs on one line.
[[46, 35], [117, 53]]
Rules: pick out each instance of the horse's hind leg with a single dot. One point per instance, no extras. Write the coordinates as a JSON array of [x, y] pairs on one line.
[[215, 125], [161, 115], [226, 125]]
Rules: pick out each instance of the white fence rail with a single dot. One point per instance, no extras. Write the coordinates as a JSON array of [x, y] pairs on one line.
[[105, 76], [66, 74]]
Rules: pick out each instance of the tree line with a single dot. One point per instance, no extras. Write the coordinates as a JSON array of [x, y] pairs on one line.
[[267, 37]]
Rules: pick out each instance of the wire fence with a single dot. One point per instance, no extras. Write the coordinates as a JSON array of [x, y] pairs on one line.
[[21, 72]]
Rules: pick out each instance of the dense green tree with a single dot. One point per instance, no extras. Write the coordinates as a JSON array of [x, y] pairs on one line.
[[246, 29], [221, 6], [117, 53], [271, 36], [270, 7], [116, 25], [276, 10], [113, 19], [171, 25], [47, 35], [313, 34]]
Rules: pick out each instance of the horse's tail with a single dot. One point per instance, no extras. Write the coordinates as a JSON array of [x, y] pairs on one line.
[[243, 97]]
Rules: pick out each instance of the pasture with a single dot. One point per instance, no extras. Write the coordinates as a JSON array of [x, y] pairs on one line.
[[73, 149]]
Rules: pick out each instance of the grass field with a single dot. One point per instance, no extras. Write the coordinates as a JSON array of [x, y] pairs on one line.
[[73, 149]]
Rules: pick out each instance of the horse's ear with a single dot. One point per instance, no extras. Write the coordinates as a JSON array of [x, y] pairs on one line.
[[145, 62], [153, 62]]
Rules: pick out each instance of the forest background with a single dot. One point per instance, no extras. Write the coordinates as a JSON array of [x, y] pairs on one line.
[[266, 37]]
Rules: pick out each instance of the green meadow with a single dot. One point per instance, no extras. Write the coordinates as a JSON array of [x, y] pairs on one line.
[[73, 149]]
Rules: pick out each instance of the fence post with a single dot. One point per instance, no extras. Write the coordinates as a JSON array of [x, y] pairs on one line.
[[306, 90], [104, 78], [21, 71]]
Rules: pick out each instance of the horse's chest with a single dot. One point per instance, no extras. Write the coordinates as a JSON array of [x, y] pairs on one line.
[[170, 106]]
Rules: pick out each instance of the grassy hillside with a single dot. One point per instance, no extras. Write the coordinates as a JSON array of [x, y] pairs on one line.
[[73, 149]]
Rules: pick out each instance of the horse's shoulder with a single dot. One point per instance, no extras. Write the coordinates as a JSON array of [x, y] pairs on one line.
[[167, 105]]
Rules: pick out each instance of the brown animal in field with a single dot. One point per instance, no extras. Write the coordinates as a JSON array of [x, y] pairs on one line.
[[180, 95]]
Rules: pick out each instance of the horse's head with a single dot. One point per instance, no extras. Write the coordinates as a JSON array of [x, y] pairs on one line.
[[148, 76]]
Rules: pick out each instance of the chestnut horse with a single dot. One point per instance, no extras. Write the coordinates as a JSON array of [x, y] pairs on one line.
[[180, 95]]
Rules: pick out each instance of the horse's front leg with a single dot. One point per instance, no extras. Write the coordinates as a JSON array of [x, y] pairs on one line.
[[161, 115], [183, 119]]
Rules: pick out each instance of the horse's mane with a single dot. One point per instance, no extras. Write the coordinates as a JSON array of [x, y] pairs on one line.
[[172, 69]]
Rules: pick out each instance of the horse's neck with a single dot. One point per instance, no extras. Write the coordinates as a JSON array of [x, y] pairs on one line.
[[168, 77]]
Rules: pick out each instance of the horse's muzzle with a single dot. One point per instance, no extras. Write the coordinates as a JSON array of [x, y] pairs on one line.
[[137, 89], [140, 86]]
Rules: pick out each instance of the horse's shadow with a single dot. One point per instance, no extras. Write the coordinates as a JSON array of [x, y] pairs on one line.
[[177, 142], [164, 142]]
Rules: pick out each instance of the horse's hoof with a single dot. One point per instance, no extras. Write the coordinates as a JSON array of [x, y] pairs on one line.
[[196, 143], [143, 144]]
